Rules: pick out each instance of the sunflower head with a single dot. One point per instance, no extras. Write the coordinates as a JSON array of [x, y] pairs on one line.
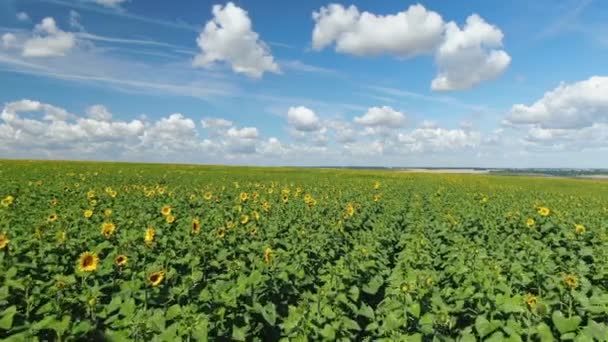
[[221, 233], [243, 197], [170, 218], [8, 200], [155, 278], [530, 222], [4, 240], [208, 195], [253, 231], [376, 185], [229, 224], [268, 255], [377, 197], [88, 213], [256, 215], [196, 226], [149, 235], [52, 218], [544, 211], [285, 198], [87, 262], [166, 210], [350, 210], [121, 260], [531, 301], [579, 229], [244, 219], [571, 281], [266, 206], [108, 229]]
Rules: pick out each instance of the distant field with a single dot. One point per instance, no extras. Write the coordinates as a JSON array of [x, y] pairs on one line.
[[154, 252], [463, 171]]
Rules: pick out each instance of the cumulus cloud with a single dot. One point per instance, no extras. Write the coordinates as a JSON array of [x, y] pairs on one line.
[[384, 116], [408, 33], [569, 106], [109, 3], [303, 119], [22, 16], [48, 40], [436, 139], [99, 112], [229, 37], [9, 40], [467, 56]]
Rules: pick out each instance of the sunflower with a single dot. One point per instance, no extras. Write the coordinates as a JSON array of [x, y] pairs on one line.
[[429, 281], [208, 195], [571, 281], [253, 231], [229, 224], [8, 200], [405, 288], [52, 218], [196, 226], [113, 193], [54, 202], [87, 262], [256, 215], [88, 213], [155, 278], [285, 198], [90, 194], [93, 202], [166, 210], [170, 218], [243, 196], [350, 210], [121, 260], [579, 229], [531, 301], [530, 222], [221, 233], [266, 206], [149, 235], [377, 197], [376, 185], [4, 240], [268, 255], [544, 211], [107, 212], [307, 198], [108, 229], [244, 219]]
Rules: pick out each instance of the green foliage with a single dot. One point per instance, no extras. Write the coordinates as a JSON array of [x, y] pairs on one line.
[[216, 253]]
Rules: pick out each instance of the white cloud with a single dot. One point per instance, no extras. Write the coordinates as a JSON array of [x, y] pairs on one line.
[[405, 34], [216, 123], [109, 3], [48, 40], [9, 40], [569, 106], [229, 37], [303, 119], [436, 139], [384, 116], [22, 16], [75, 21], [99, 112], [466, 57]]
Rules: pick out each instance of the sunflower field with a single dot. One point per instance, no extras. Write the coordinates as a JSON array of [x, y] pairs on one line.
[[144, 252]]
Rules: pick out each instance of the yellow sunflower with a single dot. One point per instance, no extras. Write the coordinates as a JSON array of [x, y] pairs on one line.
[[52, 218], [376, 185], [170, 218], [579, 229], [229, 224], [256, 215], [87, 262], [121, 260], [221, 233], [244, 219], [149, 235], [107, 212], [166, 210], [4, 240], [571, 281], [266, 206], [8, 200], [196, 226], [350, 210], [208, 195], [268, 255], [285, 198], [155, 278], [243, 196], [253, 231], [88, 213], [108, 229], [530, 222], [544, 211], [377, 197], [531, 301]]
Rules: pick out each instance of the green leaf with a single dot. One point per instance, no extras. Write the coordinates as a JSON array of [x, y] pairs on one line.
[[200, 331], [496, 337], [563, 324], [414, 309], [349, 324], [417, 337], [374, 285], [239, 333], [6, 322], [44, 323], [367, 311], [468, 337], [128, 308], [82, 327], [328, 332], [544, 333], [173, 311], [270, 313], [485, 327]]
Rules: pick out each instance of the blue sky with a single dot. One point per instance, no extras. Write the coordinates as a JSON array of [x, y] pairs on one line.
[[430, 83]]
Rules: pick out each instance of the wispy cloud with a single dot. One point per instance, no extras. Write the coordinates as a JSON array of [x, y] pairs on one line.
[[567, 18], [300, 66]]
